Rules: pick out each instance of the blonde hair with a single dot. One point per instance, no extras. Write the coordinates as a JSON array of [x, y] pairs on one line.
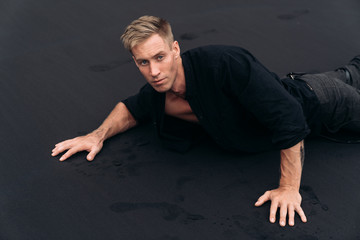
[[144, 27]]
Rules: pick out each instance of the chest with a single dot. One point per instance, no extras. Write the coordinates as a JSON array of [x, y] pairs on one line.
[[178, 107]]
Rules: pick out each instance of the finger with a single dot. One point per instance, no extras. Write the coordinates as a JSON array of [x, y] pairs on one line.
[[57, 150], [283, 213], [291, 213], [69, 153], [273, 210], [64, 143], [92, 155], [264, 198], [94, 151], [301, 213], [60, 147], [54, 152]]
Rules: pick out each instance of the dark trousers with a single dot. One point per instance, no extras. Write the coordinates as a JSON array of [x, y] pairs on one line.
[[339, 94]]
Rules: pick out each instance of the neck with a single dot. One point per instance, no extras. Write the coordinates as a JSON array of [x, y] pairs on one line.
[[179, 86]]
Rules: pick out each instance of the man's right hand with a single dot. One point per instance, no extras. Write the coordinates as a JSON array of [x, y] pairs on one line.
[[119, 120], [91, 142]]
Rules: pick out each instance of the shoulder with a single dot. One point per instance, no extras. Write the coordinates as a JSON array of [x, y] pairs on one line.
[[146, 93], [217, 55], [216, 51]]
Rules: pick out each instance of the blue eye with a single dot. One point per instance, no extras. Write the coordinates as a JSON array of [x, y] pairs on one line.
[[160, 57], [144, 62]]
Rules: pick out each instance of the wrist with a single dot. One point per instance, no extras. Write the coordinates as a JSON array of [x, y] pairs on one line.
[[100, 133], [289, 185]]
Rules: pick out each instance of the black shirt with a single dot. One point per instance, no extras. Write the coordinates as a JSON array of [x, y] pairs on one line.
[[239, 103]]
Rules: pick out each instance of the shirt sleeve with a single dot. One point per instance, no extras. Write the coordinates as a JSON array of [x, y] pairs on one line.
[[268, 101], [140, 104]]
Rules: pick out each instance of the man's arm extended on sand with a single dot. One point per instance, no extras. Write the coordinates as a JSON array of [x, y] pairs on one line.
[[287, 196], [118, 121]]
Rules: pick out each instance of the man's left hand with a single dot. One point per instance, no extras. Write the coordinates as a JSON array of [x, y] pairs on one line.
[[288, 200]]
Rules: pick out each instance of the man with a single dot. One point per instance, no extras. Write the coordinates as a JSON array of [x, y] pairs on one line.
[[226, 92]]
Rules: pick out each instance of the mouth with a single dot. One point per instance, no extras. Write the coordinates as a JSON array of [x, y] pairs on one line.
[[159, 82]]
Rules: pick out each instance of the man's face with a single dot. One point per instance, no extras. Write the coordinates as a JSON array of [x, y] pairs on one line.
[[157, 62]]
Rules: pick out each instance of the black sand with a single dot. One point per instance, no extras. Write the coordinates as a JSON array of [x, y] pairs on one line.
[[62, 70]]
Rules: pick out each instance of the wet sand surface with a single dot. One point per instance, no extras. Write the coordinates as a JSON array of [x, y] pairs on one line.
[[63, 69]]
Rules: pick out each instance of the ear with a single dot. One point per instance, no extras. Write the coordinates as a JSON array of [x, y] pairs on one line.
[[176, 49], [135, 61]]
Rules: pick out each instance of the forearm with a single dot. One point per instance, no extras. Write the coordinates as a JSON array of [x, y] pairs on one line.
[[118, 121], [292, 160]]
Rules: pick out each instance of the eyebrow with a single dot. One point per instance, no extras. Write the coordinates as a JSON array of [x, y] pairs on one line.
[[157, 54]]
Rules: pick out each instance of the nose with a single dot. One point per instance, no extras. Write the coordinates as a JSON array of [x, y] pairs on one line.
[[154, 70]]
